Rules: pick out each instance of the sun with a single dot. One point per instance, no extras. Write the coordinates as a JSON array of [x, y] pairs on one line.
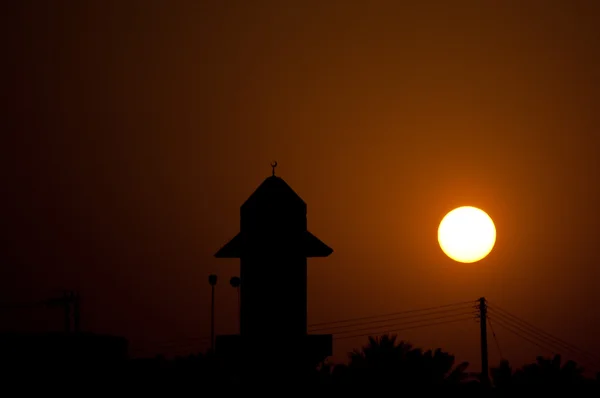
[[467, 234]]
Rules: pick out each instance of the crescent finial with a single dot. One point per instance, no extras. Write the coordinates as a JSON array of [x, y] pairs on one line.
[[273, 165]]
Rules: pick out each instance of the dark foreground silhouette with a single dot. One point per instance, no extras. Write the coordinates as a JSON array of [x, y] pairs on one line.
[[61, 363]]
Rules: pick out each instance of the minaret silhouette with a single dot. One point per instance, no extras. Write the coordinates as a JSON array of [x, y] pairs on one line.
[[273, 246]]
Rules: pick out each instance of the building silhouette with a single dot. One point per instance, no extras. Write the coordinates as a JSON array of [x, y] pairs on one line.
[[60, 352], [273, 246]]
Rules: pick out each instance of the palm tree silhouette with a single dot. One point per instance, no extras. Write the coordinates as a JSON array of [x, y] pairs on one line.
[[384, 360], [550, 372]]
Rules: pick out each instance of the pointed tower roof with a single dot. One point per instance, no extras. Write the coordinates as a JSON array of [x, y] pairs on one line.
[[273, 190], [274, 212]]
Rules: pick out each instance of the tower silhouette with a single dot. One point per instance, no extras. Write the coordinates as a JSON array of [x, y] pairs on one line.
[[273, 246]]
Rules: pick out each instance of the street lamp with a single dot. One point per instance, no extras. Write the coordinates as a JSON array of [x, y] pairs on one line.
[[212, 280]]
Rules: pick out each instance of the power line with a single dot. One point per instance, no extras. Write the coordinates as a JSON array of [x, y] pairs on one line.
[[391, 319], [533, 339], [498, 318], [509, 328], [537, 340], [371, 330], [551, 340], [397, 324], [557, 340], [495, 338], [401, 329], [393, 314]]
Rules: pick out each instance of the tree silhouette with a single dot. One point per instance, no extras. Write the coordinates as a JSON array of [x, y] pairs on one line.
[[380, 352], [550, 372], [385, 361]]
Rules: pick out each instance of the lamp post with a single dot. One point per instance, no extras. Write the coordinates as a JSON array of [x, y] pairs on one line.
[[212, 280]]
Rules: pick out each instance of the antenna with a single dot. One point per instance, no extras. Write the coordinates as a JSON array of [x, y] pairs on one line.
[[68, 301]]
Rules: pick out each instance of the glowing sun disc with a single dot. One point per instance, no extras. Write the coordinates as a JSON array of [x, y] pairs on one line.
[[467, 234]]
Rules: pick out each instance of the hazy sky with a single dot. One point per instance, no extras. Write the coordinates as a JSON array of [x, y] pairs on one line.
[[134, 130]]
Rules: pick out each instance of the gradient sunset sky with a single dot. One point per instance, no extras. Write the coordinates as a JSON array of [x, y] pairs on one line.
[[134, 130]]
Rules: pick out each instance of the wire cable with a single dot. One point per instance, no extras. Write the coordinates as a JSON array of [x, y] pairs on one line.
[[393, 313], [495, 338], [537, 344], [400, 324], [401, 329], [558, 340], [535, 340], [540, 334], [532, 335], [400, 318]]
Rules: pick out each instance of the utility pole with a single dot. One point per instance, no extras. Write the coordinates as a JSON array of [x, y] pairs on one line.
[[212, 280], [485, 375]]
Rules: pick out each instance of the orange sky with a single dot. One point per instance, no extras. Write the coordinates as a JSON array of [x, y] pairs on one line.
[[133, 133]]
